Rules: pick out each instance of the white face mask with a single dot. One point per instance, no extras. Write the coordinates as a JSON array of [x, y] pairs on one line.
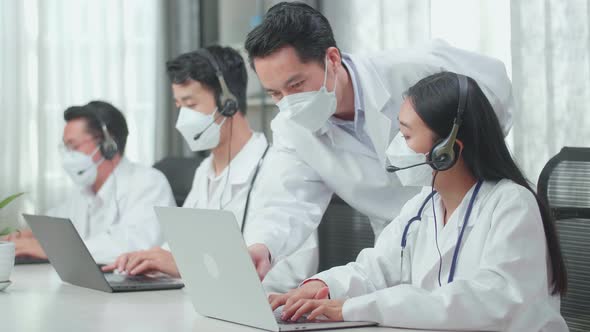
[[80, 167], [400, 155], [200, 131], [312, 109]]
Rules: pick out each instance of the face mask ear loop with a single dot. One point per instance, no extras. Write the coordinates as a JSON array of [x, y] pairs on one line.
[[325, 72], [94, 152], [324, 85], [92, 157], [460, 144]]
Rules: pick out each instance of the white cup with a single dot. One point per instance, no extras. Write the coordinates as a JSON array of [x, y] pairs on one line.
[[6, 259]]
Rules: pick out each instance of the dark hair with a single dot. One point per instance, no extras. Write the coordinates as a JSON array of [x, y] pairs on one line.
[[96, 112], [435, 99], [195, 66], [293, 24]]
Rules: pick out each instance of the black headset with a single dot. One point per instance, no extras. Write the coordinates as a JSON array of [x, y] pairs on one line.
[[228, 103], [443, 155], [108, 146]]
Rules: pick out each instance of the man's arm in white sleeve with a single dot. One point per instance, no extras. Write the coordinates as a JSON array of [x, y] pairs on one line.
[[287, 203], [137, 227]]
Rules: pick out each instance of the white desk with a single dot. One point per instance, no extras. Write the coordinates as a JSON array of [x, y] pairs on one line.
[[38, 300]]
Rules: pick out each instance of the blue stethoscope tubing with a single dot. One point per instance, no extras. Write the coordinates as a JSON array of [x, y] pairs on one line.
[[418, 217]]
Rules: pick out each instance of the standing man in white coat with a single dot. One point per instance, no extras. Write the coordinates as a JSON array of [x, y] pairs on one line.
[[337, 116], [112, 206], [209, 87]]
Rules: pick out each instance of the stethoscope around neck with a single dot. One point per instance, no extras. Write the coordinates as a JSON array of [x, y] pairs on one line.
[[254, 176], [247, 204], [418, 217]]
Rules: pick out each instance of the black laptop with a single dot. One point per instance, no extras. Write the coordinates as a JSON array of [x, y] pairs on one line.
[[26, 260]]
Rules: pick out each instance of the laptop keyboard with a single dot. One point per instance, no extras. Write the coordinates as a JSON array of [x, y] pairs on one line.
[[29, 260]]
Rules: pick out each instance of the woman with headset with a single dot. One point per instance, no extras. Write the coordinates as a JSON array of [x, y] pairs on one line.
[[477, 250]]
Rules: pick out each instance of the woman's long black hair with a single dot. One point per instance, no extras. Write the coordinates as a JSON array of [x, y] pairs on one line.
[[485, 153]]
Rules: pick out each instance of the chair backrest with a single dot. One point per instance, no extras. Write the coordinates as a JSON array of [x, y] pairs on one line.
[[565, 185], [180, 172], [343, 233]]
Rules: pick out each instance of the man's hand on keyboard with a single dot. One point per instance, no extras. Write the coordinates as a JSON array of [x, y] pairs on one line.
[[145, 262]]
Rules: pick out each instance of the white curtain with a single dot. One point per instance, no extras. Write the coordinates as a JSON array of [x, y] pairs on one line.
[[551, 78], [481, 26], [56, 53], [362, 26]]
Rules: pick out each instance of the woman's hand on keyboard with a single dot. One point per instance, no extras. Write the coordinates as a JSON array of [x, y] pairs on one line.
[[312, 289], [330, 310]]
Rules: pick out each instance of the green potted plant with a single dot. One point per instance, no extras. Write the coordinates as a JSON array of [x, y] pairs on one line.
[[7, 230]]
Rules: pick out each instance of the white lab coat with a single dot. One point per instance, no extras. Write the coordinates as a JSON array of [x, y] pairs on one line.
[[501, 277], [285, 275], [120, 217], [303, 170]]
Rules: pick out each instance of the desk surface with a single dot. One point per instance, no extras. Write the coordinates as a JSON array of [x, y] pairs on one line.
[[38, 300]]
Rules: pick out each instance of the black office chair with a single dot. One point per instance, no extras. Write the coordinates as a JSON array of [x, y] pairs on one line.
[[180, 173], [565, 184], [342, 234]]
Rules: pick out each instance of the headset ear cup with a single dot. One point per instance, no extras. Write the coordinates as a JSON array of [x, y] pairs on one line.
[[442, 161], [432, 156], [109, 149], [108, 146], [229, 108]]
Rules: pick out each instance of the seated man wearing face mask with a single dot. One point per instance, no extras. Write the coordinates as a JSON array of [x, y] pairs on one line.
[[209, 86], [112, 206]]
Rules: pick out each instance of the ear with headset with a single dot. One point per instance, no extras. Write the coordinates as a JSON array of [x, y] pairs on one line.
[[108, 146], [228, 103], [445, 153]]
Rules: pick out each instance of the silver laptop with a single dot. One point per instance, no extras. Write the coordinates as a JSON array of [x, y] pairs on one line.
[[215, 265], [74, 263]]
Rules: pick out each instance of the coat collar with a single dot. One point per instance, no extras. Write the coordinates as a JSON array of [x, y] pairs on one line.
[[242, 166], [376, 98], [116, 178]]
